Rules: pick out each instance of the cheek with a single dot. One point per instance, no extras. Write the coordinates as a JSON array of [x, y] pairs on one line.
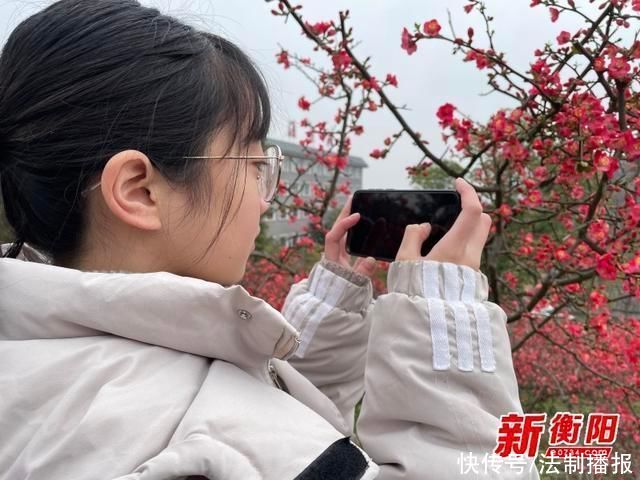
[[246, 221]]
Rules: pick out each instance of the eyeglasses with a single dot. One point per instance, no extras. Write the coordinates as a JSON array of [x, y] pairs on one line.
[[270, 169]]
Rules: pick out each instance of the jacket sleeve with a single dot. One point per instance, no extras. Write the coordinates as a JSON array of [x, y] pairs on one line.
[[439, 375], [329, 310]]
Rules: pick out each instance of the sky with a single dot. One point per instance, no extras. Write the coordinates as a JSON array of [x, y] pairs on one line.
[[427, 79]]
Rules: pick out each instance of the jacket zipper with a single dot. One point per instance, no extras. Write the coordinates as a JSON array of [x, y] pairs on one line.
[[271, 370], [277, 381], [294, 347]]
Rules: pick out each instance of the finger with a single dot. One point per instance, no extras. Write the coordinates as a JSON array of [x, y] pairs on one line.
[[468, 196], [479, 238], [344, 214], [414, 237], [333, 238], [468, 219], [365, 266], [346, 210], [343, 243], [345, 258]]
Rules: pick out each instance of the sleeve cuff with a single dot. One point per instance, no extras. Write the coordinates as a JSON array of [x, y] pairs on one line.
[[443, 280], [344, 272], [463, 326], [339, 286]]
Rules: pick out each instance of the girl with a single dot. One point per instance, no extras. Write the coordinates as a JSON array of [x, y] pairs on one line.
[[133, 174]]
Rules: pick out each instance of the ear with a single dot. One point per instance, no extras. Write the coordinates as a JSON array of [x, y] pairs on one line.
[[130, 188]]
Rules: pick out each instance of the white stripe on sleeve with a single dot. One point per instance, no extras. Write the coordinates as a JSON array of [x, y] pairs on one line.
[[485, 341]]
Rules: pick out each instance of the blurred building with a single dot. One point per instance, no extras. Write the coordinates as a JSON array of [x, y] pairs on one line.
[[278, 223]]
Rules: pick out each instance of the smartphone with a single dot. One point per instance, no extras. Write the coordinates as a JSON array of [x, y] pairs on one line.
[[384, 215]]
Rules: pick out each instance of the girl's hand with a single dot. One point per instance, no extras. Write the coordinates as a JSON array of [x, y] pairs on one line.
[[462, 244], [335, 243]]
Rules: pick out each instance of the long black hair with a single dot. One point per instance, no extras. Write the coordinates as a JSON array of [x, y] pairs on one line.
[[84, 79]]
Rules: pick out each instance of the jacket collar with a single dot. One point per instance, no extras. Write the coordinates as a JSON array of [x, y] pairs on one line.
[[39, 300]]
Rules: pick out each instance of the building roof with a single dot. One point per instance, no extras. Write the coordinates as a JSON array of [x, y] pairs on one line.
[[295, 150]]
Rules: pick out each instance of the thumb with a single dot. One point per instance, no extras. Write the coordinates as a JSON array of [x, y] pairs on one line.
[[365, 266], [414, 237]]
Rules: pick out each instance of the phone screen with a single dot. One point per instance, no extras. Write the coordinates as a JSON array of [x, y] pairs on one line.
[[384, 214]]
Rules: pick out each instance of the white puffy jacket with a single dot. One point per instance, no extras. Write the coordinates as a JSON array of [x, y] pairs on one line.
[[157, 376]]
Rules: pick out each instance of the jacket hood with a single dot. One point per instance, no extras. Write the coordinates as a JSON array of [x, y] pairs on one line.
[[39, 300]]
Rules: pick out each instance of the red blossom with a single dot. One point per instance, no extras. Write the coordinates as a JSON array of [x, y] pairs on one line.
[[619, 68], [482, 61], [505, 210], [540, 172], [392, 80], [445, 114], [599, 230], [605, 266], [597, 299], [333, 161], [600, 321], [525, 250], [534, 198], [562, 255], [371, 84], [326, 90], [605, 163], [564, 37], [555, 13], [319, 28], [468, 7], [634, 213], [574, 329], [577, 192], [283, 58], [511, 279], [303, 103], [599, 64], [305, 242], [431, 28], [408, 43], [317, 190], [376, 153], [341, 60], [632, 266], [573, 288], [315, 219], [500, 126]]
